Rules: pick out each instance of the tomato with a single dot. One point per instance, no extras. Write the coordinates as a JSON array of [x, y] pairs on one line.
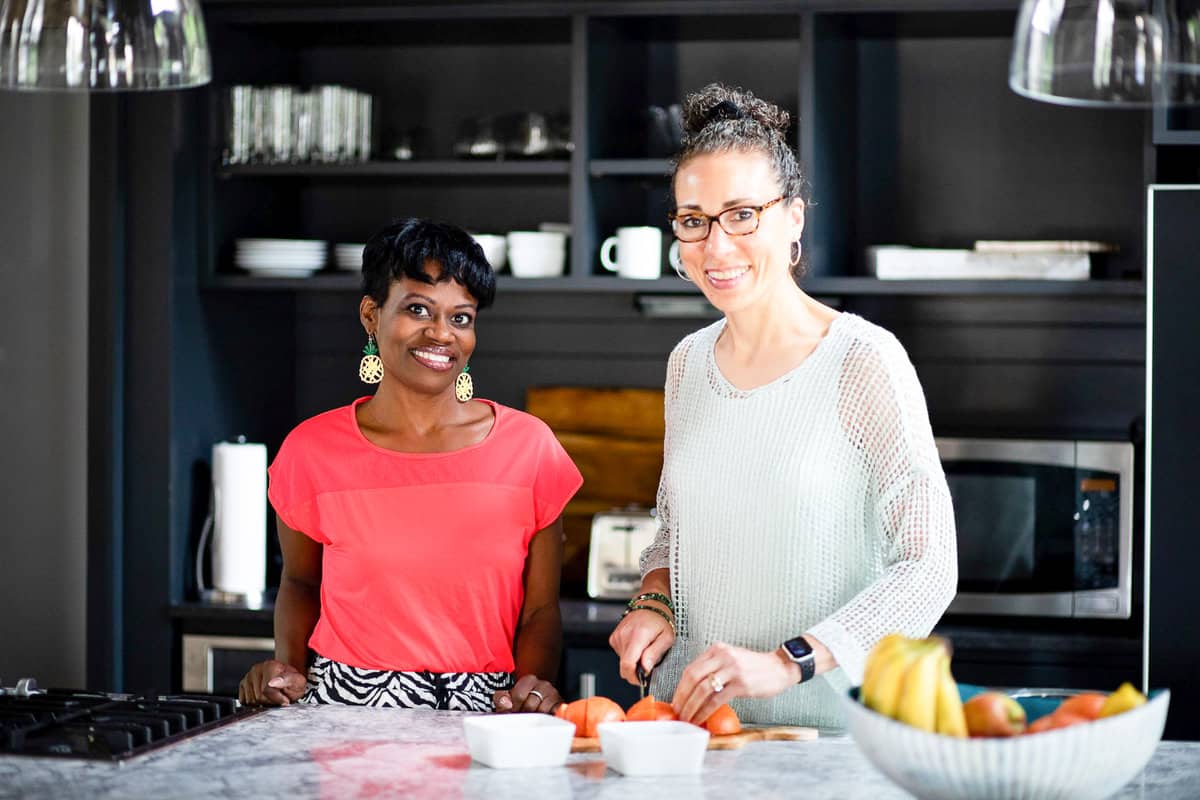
[[1059, 719], [649, 709], [723, 721], [586, 714], [1085, 705]]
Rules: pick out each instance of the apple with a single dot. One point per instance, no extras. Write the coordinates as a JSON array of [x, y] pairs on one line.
[[994, 714]]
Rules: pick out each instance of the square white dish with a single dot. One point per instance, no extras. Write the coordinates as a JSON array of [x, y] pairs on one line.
[[653, 748], [508, 741]]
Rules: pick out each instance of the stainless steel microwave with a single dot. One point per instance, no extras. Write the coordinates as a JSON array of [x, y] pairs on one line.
[[1045, 528], [216, 664]]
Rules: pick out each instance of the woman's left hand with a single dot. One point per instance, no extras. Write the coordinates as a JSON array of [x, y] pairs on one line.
[[529, 693], [723, 672]]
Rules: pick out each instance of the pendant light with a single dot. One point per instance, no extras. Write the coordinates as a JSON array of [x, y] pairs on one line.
[[102, 45], [1124, 53]]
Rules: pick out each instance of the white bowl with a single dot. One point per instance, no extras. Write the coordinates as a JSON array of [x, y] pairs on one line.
[[495, 248], [518, 740], [1081, 762], [653, 748], [536, 254]]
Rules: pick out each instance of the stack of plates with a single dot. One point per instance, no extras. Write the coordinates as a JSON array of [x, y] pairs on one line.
[[348, 256], [280, 258]]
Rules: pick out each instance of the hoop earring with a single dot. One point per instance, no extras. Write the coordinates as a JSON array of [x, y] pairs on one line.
[[370, 368], [795, 259], [464, 387]]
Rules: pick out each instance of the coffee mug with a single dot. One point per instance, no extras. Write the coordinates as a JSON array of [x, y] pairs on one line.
[[639, 253]]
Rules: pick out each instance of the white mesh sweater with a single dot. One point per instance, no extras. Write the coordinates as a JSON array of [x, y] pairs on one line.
[[813, 504]]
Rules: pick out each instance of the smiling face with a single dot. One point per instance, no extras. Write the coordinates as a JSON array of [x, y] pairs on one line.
[[425, 332], [736, 272]]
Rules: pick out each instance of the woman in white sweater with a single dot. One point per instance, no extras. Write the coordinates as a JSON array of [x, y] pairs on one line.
[[804, 510]]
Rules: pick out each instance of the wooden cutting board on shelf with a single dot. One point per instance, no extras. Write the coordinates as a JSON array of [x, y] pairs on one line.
[[732, 741]]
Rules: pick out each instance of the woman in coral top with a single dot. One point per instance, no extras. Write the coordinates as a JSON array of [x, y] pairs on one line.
[[420, 527]]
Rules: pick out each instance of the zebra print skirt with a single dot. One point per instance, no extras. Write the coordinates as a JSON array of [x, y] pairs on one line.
[[337, 683]]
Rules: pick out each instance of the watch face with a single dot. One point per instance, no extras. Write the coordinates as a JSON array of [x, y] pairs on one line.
[[798, 648]]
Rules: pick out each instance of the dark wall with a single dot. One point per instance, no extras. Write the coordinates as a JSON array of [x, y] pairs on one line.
[[43, 386], [1018, 366]]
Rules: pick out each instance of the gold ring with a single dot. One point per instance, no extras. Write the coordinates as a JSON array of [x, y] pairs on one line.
[[716, 683]]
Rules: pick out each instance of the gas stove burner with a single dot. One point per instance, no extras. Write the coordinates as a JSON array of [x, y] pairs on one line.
[[70, 723]]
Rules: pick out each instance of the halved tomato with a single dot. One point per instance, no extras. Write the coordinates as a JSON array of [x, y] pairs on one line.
[[723, 721], [649, 709], [588, 713]]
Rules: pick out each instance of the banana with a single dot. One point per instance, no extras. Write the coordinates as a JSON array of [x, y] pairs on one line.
[[950, 718], [884, 693], [879, 656], [917, 699]]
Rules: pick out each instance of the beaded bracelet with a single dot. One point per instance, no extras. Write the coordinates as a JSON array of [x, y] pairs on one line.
[[657, 597], [658, 611]]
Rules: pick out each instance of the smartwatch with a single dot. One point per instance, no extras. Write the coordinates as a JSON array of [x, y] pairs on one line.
[[801, 652]]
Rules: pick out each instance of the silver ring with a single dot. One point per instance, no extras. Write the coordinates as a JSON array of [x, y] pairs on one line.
[[540, 696], [716, 683]]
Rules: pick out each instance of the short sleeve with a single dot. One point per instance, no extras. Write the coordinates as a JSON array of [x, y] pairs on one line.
[[556, 481], [291, 491]]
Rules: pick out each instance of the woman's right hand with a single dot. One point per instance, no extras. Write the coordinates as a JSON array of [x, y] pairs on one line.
[[272, 683], [642, 637]]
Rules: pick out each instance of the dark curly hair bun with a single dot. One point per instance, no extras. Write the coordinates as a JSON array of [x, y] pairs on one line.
[[726, 109], [720, 103]]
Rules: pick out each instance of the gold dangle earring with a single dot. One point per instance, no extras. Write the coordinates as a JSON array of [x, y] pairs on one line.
[[370, 369], [464, 387]]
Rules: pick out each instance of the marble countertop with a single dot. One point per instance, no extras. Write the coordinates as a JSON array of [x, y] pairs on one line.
[[339, 752]]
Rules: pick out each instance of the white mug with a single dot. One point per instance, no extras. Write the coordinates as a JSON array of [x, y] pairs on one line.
[[639, 253]]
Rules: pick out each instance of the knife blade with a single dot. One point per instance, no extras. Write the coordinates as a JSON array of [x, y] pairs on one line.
[[643, 677]]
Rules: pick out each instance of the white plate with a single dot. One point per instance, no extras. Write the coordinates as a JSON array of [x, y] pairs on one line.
[[289, 243], [280, 262], [280, 273]]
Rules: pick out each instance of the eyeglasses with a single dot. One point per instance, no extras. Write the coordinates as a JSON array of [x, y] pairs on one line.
[[740, 221]]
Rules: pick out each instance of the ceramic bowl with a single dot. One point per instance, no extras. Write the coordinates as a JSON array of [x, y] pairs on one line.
[[495, 249], [653, 748], [1082, 762], [507, 741], [536, 254]]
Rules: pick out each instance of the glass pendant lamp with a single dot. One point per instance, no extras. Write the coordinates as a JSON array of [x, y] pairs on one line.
[[100, 45], [1132, 53]]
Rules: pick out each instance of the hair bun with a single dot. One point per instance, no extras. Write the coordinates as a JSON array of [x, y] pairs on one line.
[[718, 103], [726, 109]]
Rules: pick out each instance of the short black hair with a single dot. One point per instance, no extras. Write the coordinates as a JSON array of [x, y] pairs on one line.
[[403, 248]]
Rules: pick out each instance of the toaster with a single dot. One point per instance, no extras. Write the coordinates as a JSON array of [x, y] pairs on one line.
[[618, 539]]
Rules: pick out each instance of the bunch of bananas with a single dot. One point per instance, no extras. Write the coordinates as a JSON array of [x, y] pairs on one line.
[[909, 680]]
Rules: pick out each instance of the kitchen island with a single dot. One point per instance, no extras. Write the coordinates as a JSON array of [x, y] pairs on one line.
[[338, 752]]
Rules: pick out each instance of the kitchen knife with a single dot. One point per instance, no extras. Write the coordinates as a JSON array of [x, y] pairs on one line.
[[643, 677]]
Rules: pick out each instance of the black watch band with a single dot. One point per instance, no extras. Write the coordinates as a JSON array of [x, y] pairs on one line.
[[801, 652]]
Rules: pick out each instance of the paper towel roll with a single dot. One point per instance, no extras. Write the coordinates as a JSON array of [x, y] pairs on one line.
[[239, 548]]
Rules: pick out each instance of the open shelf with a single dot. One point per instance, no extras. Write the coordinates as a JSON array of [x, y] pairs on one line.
[[635, 167], [401, 169], [349, 281]]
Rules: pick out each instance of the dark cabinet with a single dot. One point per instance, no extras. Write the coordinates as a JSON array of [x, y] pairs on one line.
[[1172, 441], [900, 147]]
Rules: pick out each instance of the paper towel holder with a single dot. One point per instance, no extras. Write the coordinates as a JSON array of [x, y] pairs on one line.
[[213, 595]]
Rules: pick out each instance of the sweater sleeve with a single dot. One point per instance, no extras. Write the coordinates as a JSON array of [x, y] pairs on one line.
[[658, 554], [883, 411]]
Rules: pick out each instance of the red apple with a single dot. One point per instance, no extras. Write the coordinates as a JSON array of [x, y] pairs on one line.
[[994, 714]]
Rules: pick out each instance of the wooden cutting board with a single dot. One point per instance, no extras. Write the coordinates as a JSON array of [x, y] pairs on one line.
[[733, 741]]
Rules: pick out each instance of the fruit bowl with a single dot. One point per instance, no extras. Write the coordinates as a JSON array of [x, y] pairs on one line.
[[1080, 762]]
